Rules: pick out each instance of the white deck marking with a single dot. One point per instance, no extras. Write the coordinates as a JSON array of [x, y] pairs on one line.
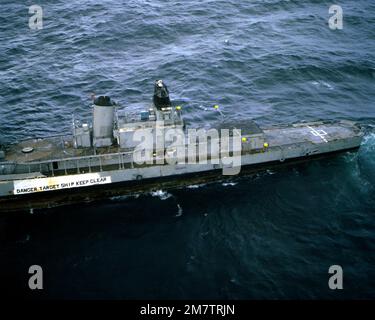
[[318, 133]]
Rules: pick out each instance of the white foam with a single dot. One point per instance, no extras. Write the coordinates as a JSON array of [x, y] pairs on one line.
[[226, 184], [321, 83], [27, 238], [196, 186], [162, 195], [179, 212]]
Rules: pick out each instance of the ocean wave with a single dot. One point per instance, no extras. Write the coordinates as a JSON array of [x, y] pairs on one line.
[[124, 197]]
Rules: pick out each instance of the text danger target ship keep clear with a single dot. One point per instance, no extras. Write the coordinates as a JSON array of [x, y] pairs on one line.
[[59, 183]]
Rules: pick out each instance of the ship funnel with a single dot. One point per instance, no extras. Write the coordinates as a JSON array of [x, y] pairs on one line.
[[104, 111], [161, 95]]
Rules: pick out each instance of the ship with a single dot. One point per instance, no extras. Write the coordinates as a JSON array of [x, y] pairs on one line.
[[122, 152]]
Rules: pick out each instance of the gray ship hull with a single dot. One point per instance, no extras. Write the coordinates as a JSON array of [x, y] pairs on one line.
[[68, 179]]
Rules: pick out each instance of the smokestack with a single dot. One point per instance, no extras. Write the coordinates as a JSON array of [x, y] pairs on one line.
[[104, 111]]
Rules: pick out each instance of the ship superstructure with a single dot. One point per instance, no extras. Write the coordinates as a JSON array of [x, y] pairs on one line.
[[99, 157]]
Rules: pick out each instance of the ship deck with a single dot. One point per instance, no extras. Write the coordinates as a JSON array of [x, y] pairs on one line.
[[61, 147], [315, 132], [51, 148]]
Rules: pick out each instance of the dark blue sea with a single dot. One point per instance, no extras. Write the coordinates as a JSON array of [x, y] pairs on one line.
[[272, 235]]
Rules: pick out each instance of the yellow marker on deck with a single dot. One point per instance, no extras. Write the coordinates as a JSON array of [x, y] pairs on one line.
[[178, 108], [265, 145], [244, 139], [216, 106]]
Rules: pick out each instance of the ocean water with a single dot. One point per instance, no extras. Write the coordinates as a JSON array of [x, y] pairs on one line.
[[272, 235]]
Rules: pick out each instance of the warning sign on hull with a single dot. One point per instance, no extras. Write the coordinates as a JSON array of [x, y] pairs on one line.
[[59, 183]]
